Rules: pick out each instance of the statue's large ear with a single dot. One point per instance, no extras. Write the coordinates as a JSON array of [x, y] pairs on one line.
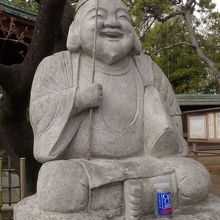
[[137, 45], [73, 42]]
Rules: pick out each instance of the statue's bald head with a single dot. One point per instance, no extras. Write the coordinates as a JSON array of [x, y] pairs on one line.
[[82, 2], [113, 17]]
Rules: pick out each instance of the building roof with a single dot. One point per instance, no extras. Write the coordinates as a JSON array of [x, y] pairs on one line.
[[198, 100], [203, 110], [8, 7]]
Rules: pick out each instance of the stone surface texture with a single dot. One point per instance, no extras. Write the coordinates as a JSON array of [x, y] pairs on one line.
[[103, 163], [208, 210]]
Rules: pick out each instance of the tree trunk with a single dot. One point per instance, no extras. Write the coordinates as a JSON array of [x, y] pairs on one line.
[[16, 135]]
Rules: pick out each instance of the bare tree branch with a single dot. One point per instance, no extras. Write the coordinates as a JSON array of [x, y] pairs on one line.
[[171, 46], [189, 3], [198, 50], [15, 41], [164, 19], [145, 28]]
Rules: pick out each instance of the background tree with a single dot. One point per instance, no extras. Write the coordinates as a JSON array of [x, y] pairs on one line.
[[177, 23], [187, 73], [15, 132]]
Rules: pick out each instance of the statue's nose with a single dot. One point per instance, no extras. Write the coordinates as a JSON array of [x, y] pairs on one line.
[[112, 22]]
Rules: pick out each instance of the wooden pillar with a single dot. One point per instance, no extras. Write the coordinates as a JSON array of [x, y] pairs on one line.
[[22, 178], [9, 181], [1, 197], [195, 153]]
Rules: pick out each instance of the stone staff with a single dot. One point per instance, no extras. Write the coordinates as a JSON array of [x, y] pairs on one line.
[[93, 79]]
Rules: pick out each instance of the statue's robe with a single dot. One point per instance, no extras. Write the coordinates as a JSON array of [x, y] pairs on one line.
[[52, 103]]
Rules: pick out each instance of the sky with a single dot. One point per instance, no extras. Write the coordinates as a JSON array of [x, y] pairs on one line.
[[217, 2]]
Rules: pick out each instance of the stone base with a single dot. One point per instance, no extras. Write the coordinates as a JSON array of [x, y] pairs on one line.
[[27, 209], [209, 210]]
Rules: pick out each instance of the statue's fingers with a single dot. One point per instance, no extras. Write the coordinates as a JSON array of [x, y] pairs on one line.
[[100, 92], [99, 87]]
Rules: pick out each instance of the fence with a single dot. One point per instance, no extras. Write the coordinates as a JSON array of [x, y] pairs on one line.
[[12, 188], [205, 151]]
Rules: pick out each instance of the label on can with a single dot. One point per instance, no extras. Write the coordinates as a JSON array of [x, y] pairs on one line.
[[164, 203]]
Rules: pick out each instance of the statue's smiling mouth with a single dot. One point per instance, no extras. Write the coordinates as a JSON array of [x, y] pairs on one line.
[[112, 35]]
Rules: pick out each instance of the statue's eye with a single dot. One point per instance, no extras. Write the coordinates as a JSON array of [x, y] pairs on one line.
[[101, 14], [125, 17], [98, 16]]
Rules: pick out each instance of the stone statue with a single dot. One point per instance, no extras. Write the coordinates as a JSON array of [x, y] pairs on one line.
[[103, 165]]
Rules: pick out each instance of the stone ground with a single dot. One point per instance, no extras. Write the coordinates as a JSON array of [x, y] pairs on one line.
[[212, 163]]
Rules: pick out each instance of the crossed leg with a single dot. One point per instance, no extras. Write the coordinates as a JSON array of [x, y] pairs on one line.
[[62, 186]]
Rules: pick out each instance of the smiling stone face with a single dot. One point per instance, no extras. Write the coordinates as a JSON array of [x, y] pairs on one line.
[[115, 34]]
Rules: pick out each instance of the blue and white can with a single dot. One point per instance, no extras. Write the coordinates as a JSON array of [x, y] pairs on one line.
[[164, 205], [163, 200]]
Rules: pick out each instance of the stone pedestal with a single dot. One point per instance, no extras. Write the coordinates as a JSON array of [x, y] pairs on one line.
[[27, 209], [208, 210]]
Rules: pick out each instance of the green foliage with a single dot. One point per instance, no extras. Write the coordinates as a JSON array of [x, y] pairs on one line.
[[211, 40], [182, 66], [30, 5], [205, 5], [186, 72]]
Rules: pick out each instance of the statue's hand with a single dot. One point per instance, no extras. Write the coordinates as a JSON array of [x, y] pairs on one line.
[[92, 95], [89, 97]]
